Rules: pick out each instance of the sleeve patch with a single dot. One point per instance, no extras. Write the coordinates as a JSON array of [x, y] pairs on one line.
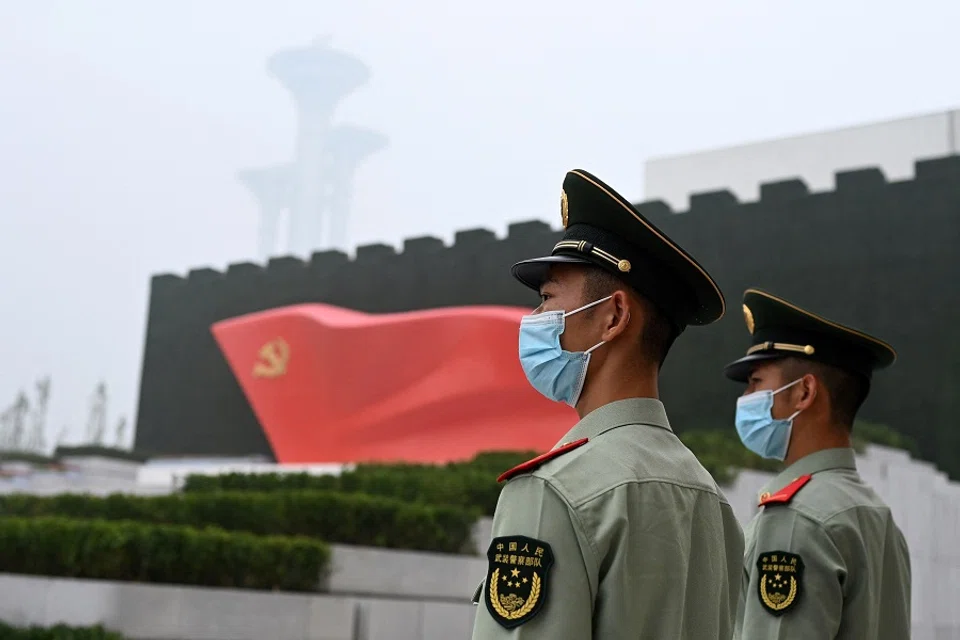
[[780, 581], [518, 570]]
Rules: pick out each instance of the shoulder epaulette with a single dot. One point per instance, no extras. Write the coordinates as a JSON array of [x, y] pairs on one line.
[[530, 465], [785, 495]]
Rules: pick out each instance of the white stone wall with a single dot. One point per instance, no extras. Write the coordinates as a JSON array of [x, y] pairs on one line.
[[370, 594]]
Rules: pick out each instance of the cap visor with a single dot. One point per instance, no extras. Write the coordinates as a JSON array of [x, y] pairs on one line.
[[739, 370], [534, 271]]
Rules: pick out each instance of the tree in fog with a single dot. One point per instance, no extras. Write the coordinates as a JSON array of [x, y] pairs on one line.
[[13, 422]]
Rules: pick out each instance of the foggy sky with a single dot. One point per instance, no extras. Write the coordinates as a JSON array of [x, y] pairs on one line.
[[123, 124]]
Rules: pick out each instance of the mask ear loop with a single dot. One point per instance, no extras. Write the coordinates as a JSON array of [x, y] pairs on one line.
[[591, 349], [587, 306], [787, 386], [602, 342]]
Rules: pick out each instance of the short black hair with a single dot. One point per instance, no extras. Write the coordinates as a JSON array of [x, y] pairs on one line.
[[658, 334], [847, 390]]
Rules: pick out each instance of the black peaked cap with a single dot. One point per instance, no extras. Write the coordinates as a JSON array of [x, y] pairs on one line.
[[781, 329], [602, 228]]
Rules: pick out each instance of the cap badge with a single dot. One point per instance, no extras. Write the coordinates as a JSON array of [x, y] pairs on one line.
[[563, 208], [748, 317]]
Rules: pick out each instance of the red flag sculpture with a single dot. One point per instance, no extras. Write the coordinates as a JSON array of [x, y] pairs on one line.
[[334, 385]]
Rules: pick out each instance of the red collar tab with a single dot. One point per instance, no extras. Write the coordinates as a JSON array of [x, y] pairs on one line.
[[785, 495], [530, 465]]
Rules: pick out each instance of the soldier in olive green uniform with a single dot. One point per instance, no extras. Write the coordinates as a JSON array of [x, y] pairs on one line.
[[824, 557], [618, 532]]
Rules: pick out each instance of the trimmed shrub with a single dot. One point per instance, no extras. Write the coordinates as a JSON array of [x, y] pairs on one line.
[[59, 632], [26, 457], [133, 551], [865, 432], [332, 517], [101, 451], [723, 455], [440, 486], [471, 484]]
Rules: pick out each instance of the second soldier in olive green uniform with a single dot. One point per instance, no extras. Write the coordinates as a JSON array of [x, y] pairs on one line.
[[824, 557], [617, 533]]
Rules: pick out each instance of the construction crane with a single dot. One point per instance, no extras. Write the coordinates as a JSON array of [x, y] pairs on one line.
[[36, 440], [97, 422]]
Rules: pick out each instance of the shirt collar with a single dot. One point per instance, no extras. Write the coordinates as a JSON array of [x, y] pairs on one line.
[[648, 411], [823, 460]]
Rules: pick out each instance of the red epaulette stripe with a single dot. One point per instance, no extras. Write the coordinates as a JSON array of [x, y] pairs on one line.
[[530, 465], [786, 494]]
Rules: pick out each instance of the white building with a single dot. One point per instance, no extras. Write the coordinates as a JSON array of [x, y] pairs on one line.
[[893, 146]]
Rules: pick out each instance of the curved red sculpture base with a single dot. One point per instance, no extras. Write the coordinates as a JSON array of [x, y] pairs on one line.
[[335, 385]]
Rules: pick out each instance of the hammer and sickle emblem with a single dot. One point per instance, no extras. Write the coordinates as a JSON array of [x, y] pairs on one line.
[[273, 359]]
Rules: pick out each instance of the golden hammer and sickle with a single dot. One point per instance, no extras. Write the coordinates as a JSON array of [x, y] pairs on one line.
[[273, 359]]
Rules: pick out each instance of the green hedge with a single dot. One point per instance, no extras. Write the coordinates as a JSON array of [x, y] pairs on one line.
[[26, 457], [472, 484], [495, 462], [866, 432], [723, 455], [259, 482], [133, 551], [59, 632], [101, 451], [470, 488], [9, 455], [328, 516]]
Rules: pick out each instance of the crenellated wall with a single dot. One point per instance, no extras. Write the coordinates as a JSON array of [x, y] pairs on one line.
[[879, 255]]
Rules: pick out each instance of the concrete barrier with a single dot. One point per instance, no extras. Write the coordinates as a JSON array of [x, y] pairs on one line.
[[167, 612]]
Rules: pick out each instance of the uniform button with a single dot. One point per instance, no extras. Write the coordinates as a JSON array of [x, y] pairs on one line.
[[764, 495]]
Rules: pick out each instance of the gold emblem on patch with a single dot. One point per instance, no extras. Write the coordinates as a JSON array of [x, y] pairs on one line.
[[517, 573], [781, 581], [273, 358], [624, 266], [563, 208], [748, 318]]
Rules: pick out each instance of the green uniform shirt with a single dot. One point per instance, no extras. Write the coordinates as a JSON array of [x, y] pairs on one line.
[[628, 535], [830, 563]]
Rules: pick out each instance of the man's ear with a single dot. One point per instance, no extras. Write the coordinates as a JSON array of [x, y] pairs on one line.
[[808, 388], [617, 316]]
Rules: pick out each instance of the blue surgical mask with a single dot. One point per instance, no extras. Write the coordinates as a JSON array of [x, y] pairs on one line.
[[759, 431], [557, 374]]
